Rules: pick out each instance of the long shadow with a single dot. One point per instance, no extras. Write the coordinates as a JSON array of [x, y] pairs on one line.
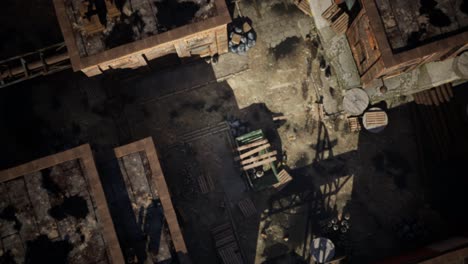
[[324, 146], [121, 106], [128, 228], [444, 160], [175, 106], [27, 133], [189, 149], [399, 201], [315, 199], [153, 225], [129, 105]]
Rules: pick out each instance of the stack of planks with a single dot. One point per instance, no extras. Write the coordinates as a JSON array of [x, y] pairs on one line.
[[283, 179], [304, 6], [338, 18], [256, 154], [226, 244], [354, 124]]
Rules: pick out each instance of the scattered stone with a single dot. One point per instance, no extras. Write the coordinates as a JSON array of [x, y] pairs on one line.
[[242, 37]]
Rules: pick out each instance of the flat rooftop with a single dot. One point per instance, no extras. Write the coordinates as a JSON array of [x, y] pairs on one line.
[[409, 24]]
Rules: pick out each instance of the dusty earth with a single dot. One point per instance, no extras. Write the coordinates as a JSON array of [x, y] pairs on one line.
[[372, 178]]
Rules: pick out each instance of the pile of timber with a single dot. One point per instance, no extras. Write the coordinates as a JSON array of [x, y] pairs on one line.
[[304, 6], [226, 244], [283, 179], [337, 17], [250, 157], [354, 124]]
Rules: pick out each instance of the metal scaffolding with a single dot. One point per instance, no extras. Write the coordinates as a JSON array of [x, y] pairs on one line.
[[45, 61]]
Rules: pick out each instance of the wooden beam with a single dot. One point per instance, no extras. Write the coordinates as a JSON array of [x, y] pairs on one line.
[[251, 145], [283, 179], [256, 164], [264, 156], [253, 151]]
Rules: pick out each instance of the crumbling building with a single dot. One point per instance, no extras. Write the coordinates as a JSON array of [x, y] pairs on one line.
[[390, 37], [55, 210], [103, 34]]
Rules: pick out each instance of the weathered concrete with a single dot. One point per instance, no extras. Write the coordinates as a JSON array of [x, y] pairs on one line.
[[399, 87]]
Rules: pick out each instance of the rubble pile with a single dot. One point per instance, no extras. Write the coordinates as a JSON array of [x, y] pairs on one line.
[[241, 37]]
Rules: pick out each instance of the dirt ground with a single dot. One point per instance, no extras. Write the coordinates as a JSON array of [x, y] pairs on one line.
[[373, 178]]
